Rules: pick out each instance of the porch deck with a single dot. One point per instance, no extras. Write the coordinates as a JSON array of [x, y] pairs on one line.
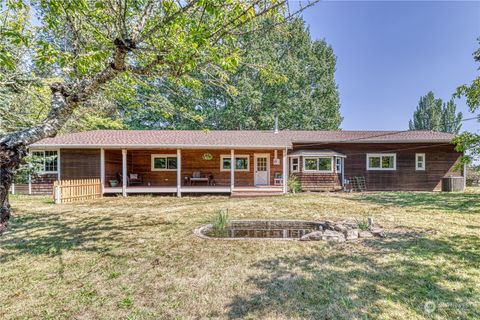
[[195, 189]]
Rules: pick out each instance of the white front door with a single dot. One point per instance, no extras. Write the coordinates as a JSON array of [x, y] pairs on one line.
[[262, 164]]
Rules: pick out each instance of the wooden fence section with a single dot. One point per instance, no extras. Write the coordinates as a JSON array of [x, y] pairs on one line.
[[76, 190], [20, 189]]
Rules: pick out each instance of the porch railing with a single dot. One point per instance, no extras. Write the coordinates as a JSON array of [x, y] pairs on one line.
[[76, 190]]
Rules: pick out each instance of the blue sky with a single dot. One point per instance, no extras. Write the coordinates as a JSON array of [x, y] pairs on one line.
[[390, 53]]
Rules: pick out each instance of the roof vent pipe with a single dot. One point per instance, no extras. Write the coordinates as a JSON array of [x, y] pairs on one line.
[[276, 122]]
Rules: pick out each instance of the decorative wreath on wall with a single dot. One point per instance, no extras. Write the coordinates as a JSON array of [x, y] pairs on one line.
[[207, 156]]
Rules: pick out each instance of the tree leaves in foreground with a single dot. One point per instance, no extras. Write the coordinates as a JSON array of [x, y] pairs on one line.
[[282, 71], [470, 142], [433, 114], [91, 43]]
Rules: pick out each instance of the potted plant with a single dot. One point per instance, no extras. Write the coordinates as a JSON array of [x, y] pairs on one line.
[[113, 183]]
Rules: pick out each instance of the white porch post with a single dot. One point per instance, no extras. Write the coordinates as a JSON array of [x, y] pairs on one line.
[[343, 172], [232, 170], [179, 173], [124, 172], [102, 170], [285, 171], [29, 183], [59, 165]]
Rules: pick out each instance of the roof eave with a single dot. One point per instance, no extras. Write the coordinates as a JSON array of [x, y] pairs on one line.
[[154, 146]]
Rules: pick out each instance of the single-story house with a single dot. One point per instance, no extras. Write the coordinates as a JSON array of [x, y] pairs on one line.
[[186, 161]]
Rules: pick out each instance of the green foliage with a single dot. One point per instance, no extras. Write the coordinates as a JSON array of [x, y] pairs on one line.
[[470, 142], [75, 42], [294, 184], [433, 114], [220, 223], [363, 224], [281, 70], [30, 167], [472, 91]]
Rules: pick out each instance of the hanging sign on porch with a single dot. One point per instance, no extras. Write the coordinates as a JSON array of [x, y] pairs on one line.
[[207, 156]]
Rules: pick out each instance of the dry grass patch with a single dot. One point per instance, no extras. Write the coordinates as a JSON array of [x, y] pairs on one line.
[[137, 258]]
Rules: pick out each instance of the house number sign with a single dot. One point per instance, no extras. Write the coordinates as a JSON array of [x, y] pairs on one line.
[[207, 156]]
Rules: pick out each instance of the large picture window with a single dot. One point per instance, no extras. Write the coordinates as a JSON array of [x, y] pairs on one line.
[[382, 161], [242, 163], [164, 162], [317, 164], [47, 160]]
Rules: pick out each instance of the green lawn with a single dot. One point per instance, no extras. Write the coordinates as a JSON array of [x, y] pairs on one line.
[[137, 258]]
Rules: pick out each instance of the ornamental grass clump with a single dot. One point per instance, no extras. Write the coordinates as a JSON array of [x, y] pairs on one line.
[[294, 184], [363, 224], [220, 223]]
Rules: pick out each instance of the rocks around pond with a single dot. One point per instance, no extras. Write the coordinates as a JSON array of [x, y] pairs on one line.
[[351, 234], [377, 232], [312, 236], [340, 231], [327, 235], [365, 234]]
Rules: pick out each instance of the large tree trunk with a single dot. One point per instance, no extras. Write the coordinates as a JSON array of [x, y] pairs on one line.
[[10, 159], [65, 98]]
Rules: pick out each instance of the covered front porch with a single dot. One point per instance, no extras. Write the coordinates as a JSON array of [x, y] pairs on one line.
[[191, 171]]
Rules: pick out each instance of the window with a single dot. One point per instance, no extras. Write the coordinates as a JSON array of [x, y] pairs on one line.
[[382, 161], [338, 165], [164, 162], [294, 164], [420, 161], [47, 160], [242, 163], [320, 164]]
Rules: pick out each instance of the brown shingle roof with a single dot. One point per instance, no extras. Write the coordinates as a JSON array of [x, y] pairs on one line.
[[238, 138]]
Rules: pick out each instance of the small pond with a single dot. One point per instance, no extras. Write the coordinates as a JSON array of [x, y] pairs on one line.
[[337, 231], [268, 229]]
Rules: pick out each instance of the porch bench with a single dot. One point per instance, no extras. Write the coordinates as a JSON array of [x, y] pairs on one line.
[[198, 177]]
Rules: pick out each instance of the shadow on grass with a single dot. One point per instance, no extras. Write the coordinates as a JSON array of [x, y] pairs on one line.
[[449, 202], [397, 276], [53, 233]]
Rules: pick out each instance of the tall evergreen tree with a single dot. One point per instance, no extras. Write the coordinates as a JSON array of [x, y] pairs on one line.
[[433, 114]]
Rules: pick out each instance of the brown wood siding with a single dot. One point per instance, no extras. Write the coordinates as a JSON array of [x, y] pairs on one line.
[[42, 184], [79, 164], [113, 165], [311, 181], [139, 162], [440, 162]]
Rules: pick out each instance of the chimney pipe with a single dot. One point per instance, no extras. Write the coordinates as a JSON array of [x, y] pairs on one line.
[[276, 122]]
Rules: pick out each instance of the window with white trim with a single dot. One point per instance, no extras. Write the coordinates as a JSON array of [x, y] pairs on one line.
[[420, 161], [317, 164], [382, 161], [242, 162], [164, 162], [47, 160], [294, 164], [338, 165]]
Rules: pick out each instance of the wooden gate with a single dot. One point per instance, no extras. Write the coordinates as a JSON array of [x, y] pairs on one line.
[[76, 190]]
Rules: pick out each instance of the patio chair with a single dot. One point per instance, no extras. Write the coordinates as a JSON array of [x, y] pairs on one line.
[[132, 179]]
